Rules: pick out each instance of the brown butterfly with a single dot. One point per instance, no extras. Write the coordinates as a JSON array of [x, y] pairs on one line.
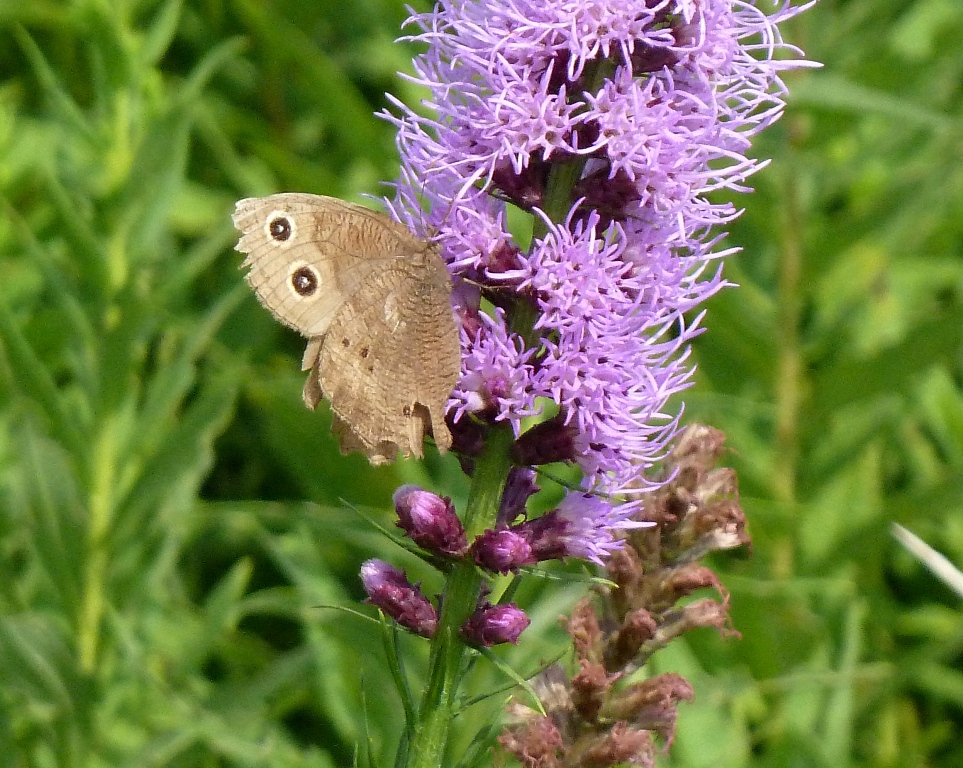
[[373, 301]]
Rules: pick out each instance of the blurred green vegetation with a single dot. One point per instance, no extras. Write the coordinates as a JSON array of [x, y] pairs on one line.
[[171, 518]]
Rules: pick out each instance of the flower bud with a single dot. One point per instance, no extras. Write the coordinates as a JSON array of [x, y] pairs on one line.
[[547, 442], [430, 521], [493, 624], [468, 439], [389, 590], [581, 526], [501, 550], [518, 488]]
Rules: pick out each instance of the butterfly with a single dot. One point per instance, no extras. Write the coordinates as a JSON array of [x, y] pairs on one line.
[[374, 302]]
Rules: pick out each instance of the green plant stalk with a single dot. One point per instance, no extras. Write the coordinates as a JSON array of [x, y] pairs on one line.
[[791, 365], [462, 588], [93, 604], [557, 200], [460, 596]]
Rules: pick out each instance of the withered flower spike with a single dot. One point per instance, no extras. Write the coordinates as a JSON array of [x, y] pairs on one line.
[[683, 581], [600, 719]]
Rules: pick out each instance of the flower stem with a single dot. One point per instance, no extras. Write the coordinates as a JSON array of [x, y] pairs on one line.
[[93, 603], [491, 471], [460, 596], [563, 176]]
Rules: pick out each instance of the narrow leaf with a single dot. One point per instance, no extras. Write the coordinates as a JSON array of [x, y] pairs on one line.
[[35, 383], [506, 670], [389, 636], [61, 101]]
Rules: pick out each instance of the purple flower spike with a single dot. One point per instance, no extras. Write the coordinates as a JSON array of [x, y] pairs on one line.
[[430, 521], [389, 589], [502, 550], [493, 624], [653, 103]]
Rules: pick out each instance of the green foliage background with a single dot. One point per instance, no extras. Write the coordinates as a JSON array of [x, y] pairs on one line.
[[170, 515]]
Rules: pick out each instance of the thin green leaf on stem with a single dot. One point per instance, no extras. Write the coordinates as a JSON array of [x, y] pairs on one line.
[[390, 636]]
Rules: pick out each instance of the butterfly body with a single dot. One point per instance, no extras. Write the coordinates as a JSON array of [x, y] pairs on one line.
[[373, 301]]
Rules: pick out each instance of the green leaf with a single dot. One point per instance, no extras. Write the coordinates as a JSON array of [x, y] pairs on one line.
[[290, 47], [894, 369], [33, 379], [175, 471], [64, 106], [829, 91], [37, 659], [510, 673], [76, 318], [389, 635], [56, 517], [161, 33], [166, 391], [86, 248]]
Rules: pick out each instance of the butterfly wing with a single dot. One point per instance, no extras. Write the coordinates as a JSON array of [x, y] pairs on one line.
[[307, 253], [374, 302], [390, 360]]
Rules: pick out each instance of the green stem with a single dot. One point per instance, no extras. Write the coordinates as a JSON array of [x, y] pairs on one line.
[[93, 603], [427, 749], [460, 596], [557, 200], [563, 176], [791, 364]]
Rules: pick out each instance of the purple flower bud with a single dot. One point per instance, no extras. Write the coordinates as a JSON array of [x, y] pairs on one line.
[[502, 550], [493, 624], [466, 301], [389, 590], [504, 260], [582, 526], [548, 535], [519, 486], [547, 442], [430, 521], [468, 439], [525, 189]]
